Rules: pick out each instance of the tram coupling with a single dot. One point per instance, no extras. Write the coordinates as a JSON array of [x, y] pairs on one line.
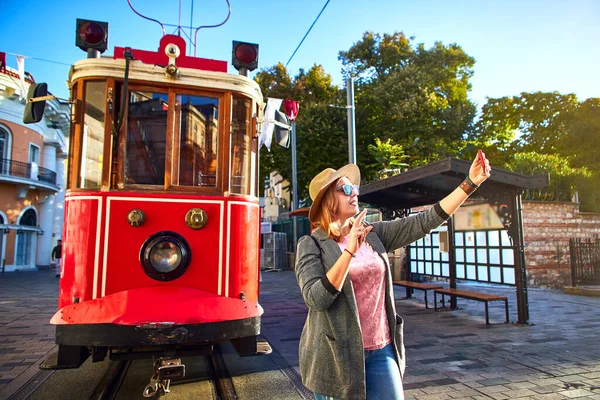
[[165, 369]]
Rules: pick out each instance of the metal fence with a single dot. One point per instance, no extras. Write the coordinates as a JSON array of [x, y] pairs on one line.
[[480, 256], [274, 251], [287, 227], [24, 170], [585, 261]]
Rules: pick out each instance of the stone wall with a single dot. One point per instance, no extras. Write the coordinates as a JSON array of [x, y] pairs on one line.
[[547, 227]]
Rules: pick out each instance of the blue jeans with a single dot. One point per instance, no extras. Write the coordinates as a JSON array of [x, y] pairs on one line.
[[383, 376]]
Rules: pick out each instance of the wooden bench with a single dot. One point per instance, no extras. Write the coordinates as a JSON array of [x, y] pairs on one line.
[[417, 285], [471, 296]]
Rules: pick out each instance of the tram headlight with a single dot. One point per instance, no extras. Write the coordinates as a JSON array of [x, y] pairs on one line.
[[165, 256]]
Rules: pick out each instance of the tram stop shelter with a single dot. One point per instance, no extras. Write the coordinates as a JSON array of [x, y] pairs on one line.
[[488, 253]]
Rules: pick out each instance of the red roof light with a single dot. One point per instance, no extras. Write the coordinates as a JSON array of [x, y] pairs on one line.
[[92, 33], [91, 36], [246, 53], [245, 57]]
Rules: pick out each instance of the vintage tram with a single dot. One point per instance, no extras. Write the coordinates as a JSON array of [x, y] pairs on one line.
[[161, 223]]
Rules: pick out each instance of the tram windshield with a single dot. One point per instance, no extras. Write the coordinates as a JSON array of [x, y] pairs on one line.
[[92, 145], [171, 138], [146, 138], [197, 119]]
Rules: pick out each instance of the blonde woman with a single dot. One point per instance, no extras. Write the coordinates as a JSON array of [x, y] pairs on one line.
[[352, 342]]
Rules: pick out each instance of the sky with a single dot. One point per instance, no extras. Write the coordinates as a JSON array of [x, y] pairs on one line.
[[518, 45]]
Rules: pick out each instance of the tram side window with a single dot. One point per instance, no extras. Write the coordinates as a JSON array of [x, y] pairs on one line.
[[92, 147], [241, 132], [197, 118], [146, 138]]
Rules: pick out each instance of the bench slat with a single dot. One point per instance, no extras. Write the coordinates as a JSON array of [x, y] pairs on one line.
[[417, 285], [471, 295]]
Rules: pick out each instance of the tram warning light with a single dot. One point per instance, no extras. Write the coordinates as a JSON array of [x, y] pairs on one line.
[[244, 57], [91, 36]]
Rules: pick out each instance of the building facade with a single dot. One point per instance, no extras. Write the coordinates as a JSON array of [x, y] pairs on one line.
[[32, 176]]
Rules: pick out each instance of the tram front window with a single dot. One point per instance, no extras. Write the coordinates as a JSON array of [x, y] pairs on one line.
[[197, 120], [241, 135], [146, 138], [92, 146]]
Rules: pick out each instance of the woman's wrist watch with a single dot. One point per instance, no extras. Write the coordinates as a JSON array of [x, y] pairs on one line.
[[468, 186]]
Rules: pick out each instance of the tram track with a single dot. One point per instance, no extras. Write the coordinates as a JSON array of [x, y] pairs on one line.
[[110, 386], [223, 375]]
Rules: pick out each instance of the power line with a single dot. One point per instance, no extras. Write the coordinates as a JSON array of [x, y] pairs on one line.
[[307, 32], [40, 59], [50, 61]]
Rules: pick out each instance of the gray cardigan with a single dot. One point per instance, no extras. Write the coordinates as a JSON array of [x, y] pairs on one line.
[[331, 349]]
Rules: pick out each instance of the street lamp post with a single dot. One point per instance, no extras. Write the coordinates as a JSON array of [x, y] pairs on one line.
[[351, 121]]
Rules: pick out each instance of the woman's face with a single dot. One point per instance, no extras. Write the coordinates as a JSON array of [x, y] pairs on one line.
[[347, 205]]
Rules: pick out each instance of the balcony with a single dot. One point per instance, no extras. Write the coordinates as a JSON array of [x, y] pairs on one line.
[[29, 176]]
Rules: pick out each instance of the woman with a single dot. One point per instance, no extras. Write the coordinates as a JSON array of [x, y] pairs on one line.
[[351, 345]]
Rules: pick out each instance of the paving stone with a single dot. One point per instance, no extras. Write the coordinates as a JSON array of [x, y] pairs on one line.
[[492, 382], [448, 353], [573, 394]]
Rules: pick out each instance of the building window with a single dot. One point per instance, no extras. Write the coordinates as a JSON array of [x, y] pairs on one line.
[[34, 153], [25, 238], [4, 150], [3, 143]]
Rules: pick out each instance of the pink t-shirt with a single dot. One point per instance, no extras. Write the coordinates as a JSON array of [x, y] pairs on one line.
[[367, 272]]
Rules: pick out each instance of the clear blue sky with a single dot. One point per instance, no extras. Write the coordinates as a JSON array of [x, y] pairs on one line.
[[518, 45]]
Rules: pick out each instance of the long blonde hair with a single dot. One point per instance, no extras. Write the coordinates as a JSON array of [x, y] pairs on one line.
[[326, 215]]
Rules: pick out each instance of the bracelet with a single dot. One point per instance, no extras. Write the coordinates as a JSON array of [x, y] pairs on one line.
[[467, 187], [470, 182], [351, 253]]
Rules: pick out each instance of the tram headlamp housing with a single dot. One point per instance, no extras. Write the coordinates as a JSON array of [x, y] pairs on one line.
[[244, 57], [91, 36], [165, 256]]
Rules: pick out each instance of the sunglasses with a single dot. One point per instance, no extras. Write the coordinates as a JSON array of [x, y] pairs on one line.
[[347, 189]]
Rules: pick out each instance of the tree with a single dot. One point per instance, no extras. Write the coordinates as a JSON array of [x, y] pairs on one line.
[[389, 157], [561, 132], [581, 140], [563, 178], [416, 97], [318, 127], [528, 122]]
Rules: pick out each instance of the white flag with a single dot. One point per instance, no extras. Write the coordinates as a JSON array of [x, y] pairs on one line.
[[21, 68], [266, 136]]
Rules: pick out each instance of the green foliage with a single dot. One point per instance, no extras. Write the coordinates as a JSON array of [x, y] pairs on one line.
[[581, 141], [412, 106], [528, 122], [563, 178], [416, 97], [389, 157], [551, 124]]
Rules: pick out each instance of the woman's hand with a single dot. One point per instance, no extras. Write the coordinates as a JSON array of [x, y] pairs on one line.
[[480, 169], [358, 232]]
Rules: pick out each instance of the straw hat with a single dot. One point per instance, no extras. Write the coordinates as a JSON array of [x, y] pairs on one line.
[[321, 182]]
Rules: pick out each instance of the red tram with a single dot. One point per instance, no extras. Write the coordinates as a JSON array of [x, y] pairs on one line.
[[161, 225]]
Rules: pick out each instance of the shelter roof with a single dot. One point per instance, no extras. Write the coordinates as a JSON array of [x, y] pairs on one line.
[[431, 183]]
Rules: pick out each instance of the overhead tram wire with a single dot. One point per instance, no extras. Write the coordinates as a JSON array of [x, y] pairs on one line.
[[39, 59], [307, 32]]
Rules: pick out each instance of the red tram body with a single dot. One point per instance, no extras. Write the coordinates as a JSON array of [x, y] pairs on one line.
[[161, 226]]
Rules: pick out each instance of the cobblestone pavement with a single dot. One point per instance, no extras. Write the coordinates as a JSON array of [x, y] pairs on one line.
[[450, 354], [455, 355]]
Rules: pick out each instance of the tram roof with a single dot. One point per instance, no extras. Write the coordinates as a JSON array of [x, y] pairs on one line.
[[431, 183]]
